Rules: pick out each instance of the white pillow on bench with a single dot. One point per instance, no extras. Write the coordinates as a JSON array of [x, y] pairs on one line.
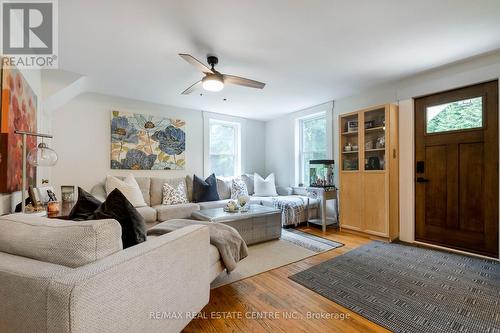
[[264, 187]]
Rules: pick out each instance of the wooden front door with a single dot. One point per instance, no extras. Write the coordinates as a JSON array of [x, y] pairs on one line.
[[456, 154]]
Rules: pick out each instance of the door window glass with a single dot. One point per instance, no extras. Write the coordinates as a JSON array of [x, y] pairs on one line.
[[455, 116]]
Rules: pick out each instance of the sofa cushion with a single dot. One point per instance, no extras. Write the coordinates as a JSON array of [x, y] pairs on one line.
[[189, 188], [128, 187], [174, 195], [213, 204], [248, 179], [180, 211], [145, 186], [148, 213], [238, 188], [84, 206], [205, 190], [224, 188], [157, 187], [60, 242], [119, 208]]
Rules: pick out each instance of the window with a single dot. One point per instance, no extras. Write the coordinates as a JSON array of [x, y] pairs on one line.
[[224, 148], [312, 143], [455, 116]]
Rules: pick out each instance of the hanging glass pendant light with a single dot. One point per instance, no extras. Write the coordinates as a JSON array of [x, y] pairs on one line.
[[42, 156]]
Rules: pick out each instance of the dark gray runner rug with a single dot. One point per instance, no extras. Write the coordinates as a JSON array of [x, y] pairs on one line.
[[309, 241], [411, 289]]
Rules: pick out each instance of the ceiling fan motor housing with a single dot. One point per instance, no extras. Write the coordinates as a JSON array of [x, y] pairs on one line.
[[212, 61]]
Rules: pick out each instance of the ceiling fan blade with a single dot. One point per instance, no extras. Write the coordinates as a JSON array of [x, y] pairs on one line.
[[192, 88], [196, 63], [241, 81]]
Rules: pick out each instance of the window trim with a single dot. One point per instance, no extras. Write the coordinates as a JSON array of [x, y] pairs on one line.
[[301, 152], [237, 144]]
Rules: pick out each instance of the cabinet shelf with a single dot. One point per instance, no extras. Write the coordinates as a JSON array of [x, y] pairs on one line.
[[375, 129], [374, 150], [349, 133], [350, 152]]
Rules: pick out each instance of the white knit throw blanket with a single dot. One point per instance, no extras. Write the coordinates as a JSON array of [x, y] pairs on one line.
[[291, 209]]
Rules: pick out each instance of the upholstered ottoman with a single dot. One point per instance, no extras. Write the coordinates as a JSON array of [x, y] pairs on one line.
[[258, 225]]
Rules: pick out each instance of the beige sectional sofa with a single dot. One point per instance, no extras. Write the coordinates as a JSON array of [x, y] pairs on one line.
[[156, 212], [74, 277]]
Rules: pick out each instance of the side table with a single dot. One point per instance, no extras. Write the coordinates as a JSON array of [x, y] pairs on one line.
[[64, 210], [324, 194]]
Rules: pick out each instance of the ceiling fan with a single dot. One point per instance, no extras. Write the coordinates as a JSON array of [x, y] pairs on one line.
[[214, 80]]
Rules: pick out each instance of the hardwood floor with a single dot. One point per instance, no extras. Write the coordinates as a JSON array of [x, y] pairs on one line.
[[262, 303]]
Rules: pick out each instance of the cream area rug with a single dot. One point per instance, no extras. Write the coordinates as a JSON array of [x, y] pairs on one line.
[[266, 256]]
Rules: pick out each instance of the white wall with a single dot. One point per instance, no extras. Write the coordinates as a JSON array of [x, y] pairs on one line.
[[33, 77], [280, 143], [81, 132]]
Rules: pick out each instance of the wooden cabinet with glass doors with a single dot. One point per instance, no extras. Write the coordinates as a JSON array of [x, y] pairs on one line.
[[369, 171]]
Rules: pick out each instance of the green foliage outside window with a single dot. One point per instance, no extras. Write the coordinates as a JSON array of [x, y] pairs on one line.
[[313, 143], [454, 116]]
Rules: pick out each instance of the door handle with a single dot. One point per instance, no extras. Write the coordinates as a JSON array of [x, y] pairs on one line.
[[422, 180]]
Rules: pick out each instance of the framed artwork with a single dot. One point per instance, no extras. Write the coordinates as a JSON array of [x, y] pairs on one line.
[[68, 193], [46, 194], [18, 112], [145, 142]]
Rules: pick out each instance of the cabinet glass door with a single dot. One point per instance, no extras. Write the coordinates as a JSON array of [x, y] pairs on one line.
[[375, 139], [349, 142]]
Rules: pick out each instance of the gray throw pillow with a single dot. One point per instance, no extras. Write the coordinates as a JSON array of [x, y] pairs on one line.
[[248, 179]]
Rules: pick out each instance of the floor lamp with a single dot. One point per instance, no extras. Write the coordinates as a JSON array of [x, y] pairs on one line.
[[40, 156]]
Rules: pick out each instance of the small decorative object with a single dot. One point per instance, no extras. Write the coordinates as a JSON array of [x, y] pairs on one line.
[[67, 193], [369, 124], [231, 207], [355, 148], [352, 126], [373, 163], [46, 194], [348, 147], [380, 142], [34, 197], [244, 202], [145, 142], [53, 207], [52, 195], [368, 145]]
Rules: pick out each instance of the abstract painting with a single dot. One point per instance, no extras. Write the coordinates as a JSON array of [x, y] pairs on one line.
[[18, 112], [145, 142]]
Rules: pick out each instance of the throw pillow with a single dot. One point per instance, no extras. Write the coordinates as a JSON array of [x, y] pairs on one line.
[[248, 179], [174, 195], [128, 187], [238, 188], [264, 187], [205, 190], [84, 207], [116, 206]]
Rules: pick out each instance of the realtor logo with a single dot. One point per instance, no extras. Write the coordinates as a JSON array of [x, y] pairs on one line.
[[29, 35]]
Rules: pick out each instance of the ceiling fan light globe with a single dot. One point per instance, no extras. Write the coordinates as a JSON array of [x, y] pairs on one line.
[[212, 83]]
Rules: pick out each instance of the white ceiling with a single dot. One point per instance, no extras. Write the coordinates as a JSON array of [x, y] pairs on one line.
[[307, 52]]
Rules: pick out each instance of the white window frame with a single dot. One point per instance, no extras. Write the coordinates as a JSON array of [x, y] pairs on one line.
[[300, 123], [237, 144]]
